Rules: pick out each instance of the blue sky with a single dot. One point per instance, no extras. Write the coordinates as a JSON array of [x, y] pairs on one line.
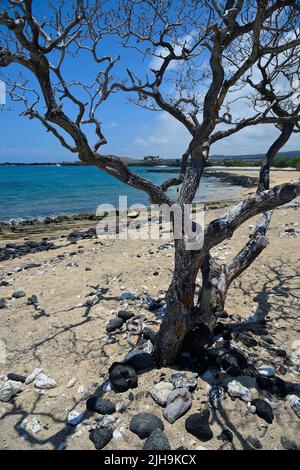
[[130, 130]]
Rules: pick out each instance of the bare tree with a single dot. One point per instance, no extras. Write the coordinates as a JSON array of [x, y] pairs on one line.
[[211, 53]]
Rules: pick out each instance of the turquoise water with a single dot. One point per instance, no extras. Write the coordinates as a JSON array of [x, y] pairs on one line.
[[39, 191]]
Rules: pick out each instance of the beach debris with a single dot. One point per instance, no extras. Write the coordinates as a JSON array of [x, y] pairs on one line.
[[143, 424], [157, 441], [178, 403], [9, 389], [100, 437], [197, 424], [160, 392]]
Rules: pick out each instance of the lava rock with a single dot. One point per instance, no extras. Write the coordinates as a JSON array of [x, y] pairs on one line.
[[157, 441], [287, 444], [263, 410], [154, 306], [180, 380], [160, 392], [114, 324], [101, 437], [143, 424], [179, 402], [4, 284], [138, 359], [233, 371], [16, 377], [149, 334], [254, 442], [123, 377], [247, 340], [264, 383], [196, 339], [198, 425], [100, 405], [2, 304], [125, 314], [18, 294], [226, 436], [295, 404], [32, 300], [228, 360]]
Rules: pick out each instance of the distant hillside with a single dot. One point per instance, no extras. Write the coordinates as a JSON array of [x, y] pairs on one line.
[[254, 157]]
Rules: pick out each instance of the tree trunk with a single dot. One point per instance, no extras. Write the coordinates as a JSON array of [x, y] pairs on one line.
[[182, 314]]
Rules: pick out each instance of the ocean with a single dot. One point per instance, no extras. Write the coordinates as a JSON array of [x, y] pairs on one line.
[[28, 192]]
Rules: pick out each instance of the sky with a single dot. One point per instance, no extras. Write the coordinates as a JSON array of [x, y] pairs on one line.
[[130, 130]]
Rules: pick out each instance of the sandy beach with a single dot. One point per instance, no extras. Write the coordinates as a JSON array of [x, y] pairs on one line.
[[82, 283]]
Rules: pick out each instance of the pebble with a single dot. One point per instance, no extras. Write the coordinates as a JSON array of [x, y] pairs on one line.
[[75, 417], [101, 437], [237, 390], [118, 433], [18, 294], [71, 382], [266, 371], [178, 403], [226, 435], [254, 442], [181, 380], [143, 424], [106, 421], [122, 377], [80, 389], [16, 377], [9, 389], [157, 441], [295, 404], [200, 448], [33, 375], [114, 324], [44, 382], [160, 392], [288, 444], [216, 395], [33, 426], [263, 410], [138, 359], [197, 424], [100, 405], [120, 407]]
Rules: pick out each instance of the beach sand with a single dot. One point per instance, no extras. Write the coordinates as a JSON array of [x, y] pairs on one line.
[[69, 341]]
